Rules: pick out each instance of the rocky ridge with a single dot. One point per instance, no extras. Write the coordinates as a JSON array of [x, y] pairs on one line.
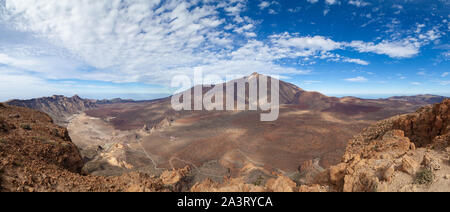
[[38, 156], [60, 108]]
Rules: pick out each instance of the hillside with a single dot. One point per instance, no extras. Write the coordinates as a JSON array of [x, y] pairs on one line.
[[60, 108], [38, 156]]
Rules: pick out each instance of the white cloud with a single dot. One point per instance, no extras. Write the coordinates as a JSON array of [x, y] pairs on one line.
[[264, 4], [431, 35], [397, 49], [419, 28], [444, 82], [445, 74], [357, 61], [150, 41], [416, 83], [312, 1], [422, 73], [358, 3], [306, 45], [331, 2], [357, 79], [402, 48], [122, 35], [446, 55], [50, 67], [23, 86], [397, 6], [129, 41]]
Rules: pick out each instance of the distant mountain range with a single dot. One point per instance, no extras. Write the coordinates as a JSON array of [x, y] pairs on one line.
[[427, 98], [60, 108]]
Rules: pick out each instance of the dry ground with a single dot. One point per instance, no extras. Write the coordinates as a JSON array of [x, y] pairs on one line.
[[219, 144]]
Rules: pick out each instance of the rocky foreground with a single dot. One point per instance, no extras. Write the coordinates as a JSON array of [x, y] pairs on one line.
[[403, 153], [37, 155]]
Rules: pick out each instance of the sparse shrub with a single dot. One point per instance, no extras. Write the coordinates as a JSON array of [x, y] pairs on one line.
[[259, 181], [425, 177], [26, 126], [16, 163]]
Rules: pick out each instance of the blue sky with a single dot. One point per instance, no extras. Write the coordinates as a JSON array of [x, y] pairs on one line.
[[132, 49]]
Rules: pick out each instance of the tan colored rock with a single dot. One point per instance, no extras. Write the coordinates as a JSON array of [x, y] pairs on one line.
[[388, 173], [409, 165], [206, 186], [306, 166], [413, 147], [281, 184], [313, 188], [426, 124], [349, 182], [383, 187], [230, 185], [337, 174], [135, 188], [176, 178], [431, 163]]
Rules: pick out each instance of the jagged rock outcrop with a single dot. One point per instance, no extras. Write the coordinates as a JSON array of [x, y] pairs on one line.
[[60, 108], [427, 124], [177, 180], [386, 157], [279, 184], [309, 171]]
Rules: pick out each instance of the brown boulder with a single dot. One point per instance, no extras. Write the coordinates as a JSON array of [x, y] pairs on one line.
[[177, 179], [281, 184], [337, 174], [313, 188], [388, 173], [409, 165], [431, 163]]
